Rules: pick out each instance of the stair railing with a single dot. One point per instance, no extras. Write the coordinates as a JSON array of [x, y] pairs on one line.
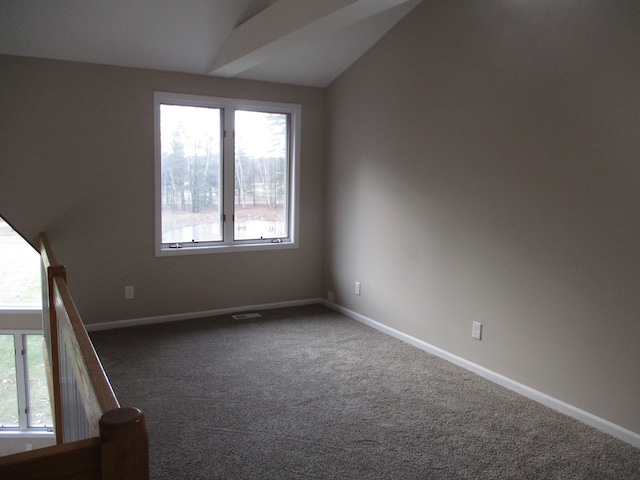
[[95, 437]]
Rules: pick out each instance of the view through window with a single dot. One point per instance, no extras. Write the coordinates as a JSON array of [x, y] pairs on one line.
[[191, 174], [261, 175], [24, 395], [19, 271], [226, 172]]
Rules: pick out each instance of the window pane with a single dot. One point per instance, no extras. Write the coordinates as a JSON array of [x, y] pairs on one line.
[[9, 386], [19, 270], [39, 405], [191, 174], [261, 175]]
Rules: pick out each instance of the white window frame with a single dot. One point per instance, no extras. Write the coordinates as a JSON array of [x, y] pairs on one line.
[[229, 105], [22, 386]]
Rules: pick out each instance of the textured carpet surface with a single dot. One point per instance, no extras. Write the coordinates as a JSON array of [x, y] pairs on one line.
[[307, 393]]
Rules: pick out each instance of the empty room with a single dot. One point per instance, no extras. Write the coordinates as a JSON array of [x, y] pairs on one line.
[[342, 238]]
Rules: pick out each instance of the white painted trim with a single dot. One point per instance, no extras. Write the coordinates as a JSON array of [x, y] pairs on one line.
[[230, 105], [16, 310], [17, 434], [606, 426], [93, 327], [21, 319]]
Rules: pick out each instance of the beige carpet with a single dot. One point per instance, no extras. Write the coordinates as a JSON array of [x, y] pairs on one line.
[[308, 393]]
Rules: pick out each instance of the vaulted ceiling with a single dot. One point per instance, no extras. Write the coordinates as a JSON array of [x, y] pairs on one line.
[[301, 42]]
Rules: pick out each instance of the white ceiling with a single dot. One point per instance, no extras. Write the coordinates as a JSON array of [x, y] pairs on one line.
[[301, 42]]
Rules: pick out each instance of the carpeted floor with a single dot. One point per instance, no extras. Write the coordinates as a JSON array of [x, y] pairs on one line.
[[305, 392]]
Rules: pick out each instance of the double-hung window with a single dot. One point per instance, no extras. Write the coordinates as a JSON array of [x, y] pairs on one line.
[[227, 174]]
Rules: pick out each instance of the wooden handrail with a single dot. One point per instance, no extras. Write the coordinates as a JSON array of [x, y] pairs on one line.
[[119, 453], [79, 459], [119, 447], [49, 325], [46, 253], [93, 385]]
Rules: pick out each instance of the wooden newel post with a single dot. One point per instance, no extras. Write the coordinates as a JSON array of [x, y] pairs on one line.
[[125, 445]]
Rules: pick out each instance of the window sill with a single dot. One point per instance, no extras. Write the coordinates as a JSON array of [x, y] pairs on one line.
[[26, 434], [20, 310], [190, 249]]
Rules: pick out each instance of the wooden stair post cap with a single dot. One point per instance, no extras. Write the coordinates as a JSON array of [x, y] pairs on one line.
[[121, 416]]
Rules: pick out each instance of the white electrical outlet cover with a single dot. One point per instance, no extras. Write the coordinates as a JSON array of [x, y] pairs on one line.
[[476, 331]]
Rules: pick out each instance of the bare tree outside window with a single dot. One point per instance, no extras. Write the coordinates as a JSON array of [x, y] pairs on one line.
[[191, 174], [227, 174], [261, 175]]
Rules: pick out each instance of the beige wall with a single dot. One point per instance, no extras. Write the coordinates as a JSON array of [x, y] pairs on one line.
[[77, 161], [483, 163], [21, 443]]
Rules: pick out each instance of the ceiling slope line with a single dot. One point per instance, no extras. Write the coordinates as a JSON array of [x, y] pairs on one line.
[[287, 24]]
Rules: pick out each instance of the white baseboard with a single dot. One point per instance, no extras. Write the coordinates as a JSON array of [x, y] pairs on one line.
[[93, 327], [558, 405], [540, 397]]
